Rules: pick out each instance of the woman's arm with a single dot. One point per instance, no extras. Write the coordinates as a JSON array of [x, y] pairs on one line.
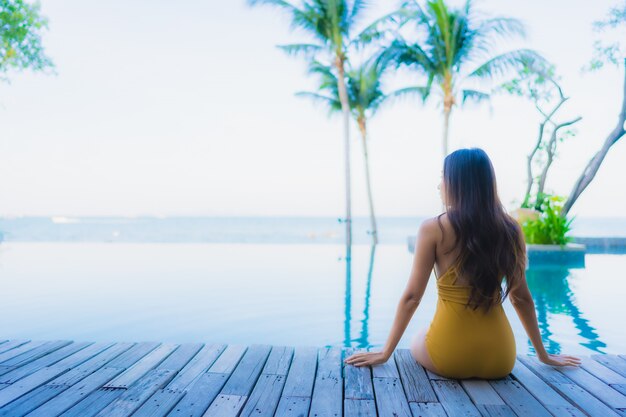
[[524, 305], [423, 262]]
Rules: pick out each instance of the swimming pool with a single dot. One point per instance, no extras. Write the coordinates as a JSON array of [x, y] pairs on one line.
[[292, 294]]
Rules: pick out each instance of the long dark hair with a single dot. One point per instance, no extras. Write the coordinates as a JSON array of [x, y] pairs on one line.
[[490, 243]]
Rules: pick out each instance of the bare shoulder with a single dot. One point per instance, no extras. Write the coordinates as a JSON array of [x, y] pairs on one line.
[[430, 229]]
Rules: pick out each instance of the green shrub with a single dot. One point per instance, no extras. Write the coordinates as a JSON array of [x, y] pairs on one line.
[[550, 228]]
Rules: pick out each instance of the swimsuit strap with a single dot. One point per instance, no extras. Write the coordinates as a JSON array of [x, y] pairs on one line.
[[452, 268]]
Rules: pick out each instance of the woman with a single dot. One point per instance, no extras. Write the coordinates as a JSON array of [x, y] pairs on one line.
[[479, 246]]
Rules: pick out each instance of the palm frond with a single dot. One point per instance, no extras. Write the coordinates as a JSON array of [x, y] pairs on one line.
[[512, 60], [300, 18], [331, 103], [301, 49], [317, 68], [418, 91], [412, 55], [475, 96], [376, 30], [502, 26], [440, 33], [357, 8], [278, 3]]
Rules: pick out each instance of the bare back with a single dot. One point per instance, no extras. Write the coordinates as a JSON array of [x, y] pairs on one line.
[[445, 253]]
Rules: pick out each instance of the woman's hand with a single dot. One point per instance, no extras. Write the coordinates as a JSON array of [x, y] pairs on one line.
[[366, 358], [559, 360]]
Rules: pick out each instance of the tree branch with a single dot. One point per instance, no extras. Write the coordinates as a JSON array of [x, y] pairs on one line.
[[593, 166], [551, 150]]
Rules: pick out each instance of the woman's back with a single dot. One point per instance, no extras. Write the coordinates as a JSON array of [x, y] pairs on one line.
[[464, 342]]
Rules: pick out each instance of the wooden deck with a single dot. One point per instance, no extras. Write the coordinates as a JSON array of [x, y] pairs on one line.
[[66, 378]]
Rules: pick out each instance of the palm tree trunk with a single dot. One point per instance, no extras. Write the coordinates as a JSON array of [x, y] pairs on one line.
[[446, 124], [448, 102], [363, 129], [345, 107]]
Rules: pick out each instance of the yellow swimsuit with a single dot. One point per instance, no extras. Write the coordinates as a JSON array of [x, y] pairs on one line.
[[464, 343]]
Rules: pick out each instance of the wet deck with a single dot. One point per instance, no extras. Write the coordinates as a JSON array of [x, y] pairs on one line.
[[51, 378]]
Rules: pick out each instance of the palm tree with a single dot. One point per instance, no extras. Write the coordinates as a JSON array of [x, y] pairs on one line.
[[364, 98], [456, 52], [330, 23]]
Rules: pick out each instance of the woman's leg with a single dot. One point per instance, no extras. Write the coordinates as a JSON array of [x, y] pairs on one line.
[[419, 351]]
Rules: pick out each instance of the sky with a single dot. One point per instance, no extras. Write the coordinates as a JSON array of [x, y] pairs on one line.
[[188, 108]]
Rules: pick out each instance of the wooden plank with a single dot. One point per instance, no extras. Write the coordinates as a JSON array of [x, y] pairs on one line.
[[160, 403], [198, 365], [12, 344], [295, 399], [88, 360], [359, 408], [433, 376], [414, 378], [32, 400], [390, 397], [235, 392], [53, 388], [427, 410], [357, 382], [180, 357], [486, 399], [564, 386], [265, 396], [128, 358], [94, 403], [163, 400], [226, 406], [591, 405], [124, 354], [201, 393], [142, 367], [605, 374], [47, 360], [18, 350], [327, 398], [134, 400], [279, 361], [29, 383], [454, 399], [544, 393], [301, 375], [386, 370], [520, 400], [593, 385], [293, 407], [247, 371], [228, 360], [388, 391], [75, 393], [133, 397], [36, 353], [612, 362]]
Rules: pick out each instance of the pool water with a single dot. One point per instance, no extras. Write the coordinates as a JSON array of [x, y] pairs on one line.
[[293, 294]]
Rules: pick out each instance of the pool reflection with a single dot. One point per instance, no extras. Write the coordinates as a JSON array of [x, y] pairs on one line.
[[550, 288], [362, 341]]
